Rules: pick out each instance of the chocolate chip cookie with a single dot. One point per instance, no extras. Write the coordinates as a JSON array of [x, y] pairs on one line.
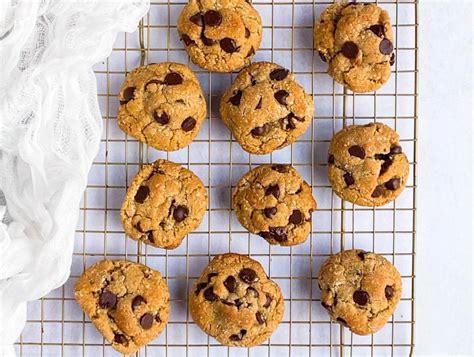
[[127, 302], [274, 202], [235, 302], [366, 165], [220, 36], [164, 202], [359, 290], [265, 108], [162, 105], [356, 40]]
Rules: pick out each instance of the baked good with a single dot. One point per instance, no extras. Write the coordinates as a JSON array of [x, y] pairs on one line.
[[127, 302], [356, 41], [273, 201], [265, 108], [235, 302], [162, 105], [222, 35], [366, 165], [359, 290], [164, 202]]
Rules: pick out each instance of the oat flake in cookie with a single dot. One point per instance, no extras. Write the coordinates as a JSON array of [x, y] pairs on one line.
[[274, 202], [162, 105], [235, 302], [222, 35], [356, 41], [265, 108], [127, 302], [360, 290], [366, 164], [164, 202]]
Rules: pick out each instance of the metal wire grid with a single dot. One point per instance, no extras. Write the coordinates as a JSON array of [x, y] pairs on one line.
[[56, 325]]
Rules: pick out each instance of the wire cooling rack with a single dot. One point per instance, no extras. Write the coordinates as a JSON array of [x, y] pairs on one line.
[[56, 325]]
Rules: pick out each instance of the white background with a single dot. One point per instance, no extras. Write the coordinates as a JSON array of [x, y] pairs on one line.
[[444, 260]]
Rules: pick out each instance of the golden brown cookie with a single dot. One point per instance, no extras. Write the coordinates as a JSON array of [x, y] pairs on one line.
[[356, 40], [127, 302], [235, 302], [274, 202], [366, 165], [164, 202], [162, 105], [360, 290], [265, 108], [221, 35]]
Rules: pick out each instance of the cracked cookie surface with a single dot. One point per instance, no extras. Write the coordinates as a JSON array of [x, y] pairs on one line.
[[162, 105], [265, 108], [274, 202], [356, 41], [366, 165], [220, 35], [127, 302], [235, 302], [164, 202], [360, 290]]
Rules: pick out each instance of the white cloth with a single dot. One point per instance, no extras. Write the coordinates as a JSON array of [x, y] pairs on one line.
[[50, 129]]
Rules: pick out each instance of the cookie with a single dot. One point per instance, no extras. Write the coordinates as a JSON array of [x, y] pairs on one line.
[[235, 302], [164, 202], [274, 202], [366, 165], [356, 41], [265, 108], [222, 35], [127, 302], [360, 290], [162, 105]]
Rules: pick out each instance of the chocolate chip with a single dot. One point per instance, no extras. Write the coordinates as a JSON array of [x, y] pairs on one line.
[[281, 96], [350, 50], [397, 149], [392, 59], [388, 292], [270, 212], [239, 336], [361, 255], [357, 151], [228, 45], [260, 130], [392, 184], [321, 55], [360, 297], [137, 301], [139, 228], [212, 18], [386, 47], [348, 179], [146, 321], [326, 306], [259, 104], [230, 283], [377, 192], [205, 40], [251, 52], [162, 118], [107, 300], [196, 19], [173, 79], [273, 190], [128, 95], [288, 122], [254, 292], [275, 233], [341, 321], [283, 169], [199, 287], [259, 318], [157, 318], [279, 74], [235, 100], [210, 276], [149, 236], [378, 30], [180, 213], [142, 194], [188, 124], [296, 217], [247, 33], [385, 165], [119, 338], [209, 294], [248, 276], [381, 157], [331, 159], [187, 40], [237, 303], [268, 301]]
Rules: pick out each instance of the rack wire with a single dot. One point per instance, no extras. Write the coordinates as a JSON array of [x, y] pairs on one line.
[[56, 326]]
